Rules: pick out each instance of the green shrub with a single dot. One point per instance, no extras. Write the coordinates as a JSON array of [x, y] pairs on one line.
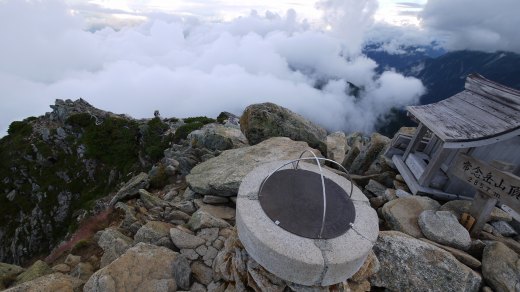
[[154, 140], [183, 131], [113, 142], [222, 117], [19, 127], [82, 120], [203, 120], [80, 245]]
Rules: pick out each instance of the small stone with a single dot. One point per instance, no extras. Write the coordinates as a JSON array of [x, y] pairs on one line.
[[402, 193], [182, 272], [390, 194], [150, 201], [444, 228], [61, 268], [487, 228], [399, 178], [401, 186], [375, 188], [72, 260], [225, 232], [222, 212], [190, 254], [209, 199], [208, 234], [208, 263], [197, 287], [504, 228], [463, 206], [186, 207], [82, 271], [218, 244], [476, 248], [377, 202], [156, 233], [179, 215], [201, 250], [184, 240], [201, 219], [369, 267], [189, 194], [113, 243], [216, 287], [202, 273], [211, 253]]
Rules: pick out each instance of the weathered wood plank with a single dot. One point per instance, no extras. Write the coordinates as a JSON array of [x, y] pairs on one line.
[[444, 123], [481, 209], [481, 85], [435, 164], [493, 182], [504, 112], [474, 114], [415, 164], [416, 140]]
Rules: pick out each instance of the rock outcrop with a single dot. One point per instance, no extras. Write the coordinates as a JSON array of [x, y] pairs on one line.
[[501, 267], [409, 264], [217, 137], [260, 122], [221, 176], [50, 283], [143, 267]]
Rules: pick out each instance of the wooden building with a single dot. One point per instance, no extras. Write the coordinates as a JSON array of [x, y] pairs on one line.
[[483, 121]]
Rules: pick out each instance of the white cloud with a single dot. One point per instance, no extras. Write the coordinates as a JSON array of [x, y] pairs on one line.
[[187, 68], [486, 25]]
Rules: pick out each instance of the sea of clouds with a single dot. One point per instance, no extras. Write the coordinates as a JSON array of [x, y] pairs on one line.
[[188, 67]]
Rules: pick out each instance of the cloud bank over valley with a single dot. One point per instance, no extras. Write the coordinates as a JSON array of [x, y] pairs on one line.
[[188, 67]]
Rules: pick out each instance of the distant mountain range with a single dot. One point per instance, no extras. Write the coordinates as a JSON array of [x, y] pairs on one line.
[[443, 74]]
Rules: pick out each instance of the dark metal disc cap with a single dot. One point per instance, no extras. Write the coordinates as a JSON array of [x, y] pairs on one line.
[[293, 199]]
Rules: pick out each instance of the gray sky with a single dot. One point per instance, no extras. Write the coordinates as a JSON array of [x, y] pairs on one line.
[[203, 57]]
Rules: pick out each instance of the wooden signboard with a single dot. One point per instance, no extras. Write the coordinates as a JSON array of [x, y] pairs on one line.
[[489, 180]]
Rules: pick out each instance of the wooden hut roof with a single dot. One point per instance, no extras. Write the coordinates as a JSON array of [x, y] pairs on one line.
[[484, 113]]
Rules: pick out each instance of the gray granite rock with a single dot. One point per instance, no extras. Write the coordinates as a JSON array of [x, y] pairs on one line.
[[201, 219], [375, 188], [209, 199], [260, 122], [156, 233], [501, 267], [336, 146], [444, 228], [217, 137], [114, 244], [222, 175], [402, 214], [409, 264], [504, 228], [182, 272], [184, 240], [131, 188], [202, 273]]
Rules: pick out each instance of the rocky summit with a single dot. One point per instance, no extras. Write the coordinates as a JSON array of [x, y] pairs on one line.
[[95, 201]]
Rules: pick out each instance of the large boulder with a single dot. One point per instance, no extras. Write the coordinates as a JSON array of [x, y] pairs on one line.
[[222, 175], [8, 272], [217, 137], [263, 121], [444, 228], [402, 214], [131, 188], [370, 153], [409, 264], [144, 267], [501, 267], [50, 283], [336, 146], [36, 270], [156, 233], [114, 244], [458, 207]]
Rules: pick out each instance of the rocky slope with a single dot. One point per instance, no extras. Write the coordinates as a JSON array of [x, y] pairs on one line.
[[171, 227]]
